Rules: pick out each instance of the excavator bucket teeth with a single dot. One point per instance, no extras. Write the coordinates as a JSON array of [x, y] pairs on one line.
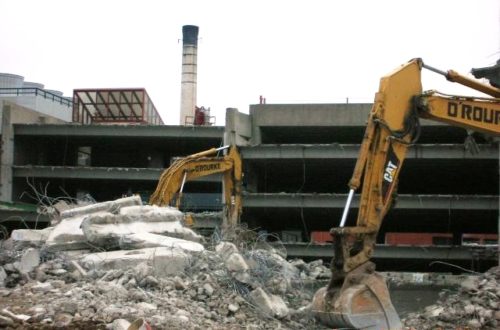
[[366, 305]]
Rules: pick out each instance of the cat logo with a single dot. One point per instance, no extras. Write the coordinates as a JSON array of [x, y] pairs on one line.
[[389, 171]]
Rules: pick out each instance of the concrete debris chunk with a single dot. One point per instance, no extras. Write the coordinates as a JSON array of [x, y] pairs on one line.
[[120, 324], [31, 236], [208, 289], [165, 261], [271, 305], [106, 229], [109, 206], [79, 268], [29, 260], [433, 311], [225, 249], [236, 263], [470, 284], [18, 317], [67, 235], [3, 277], [42, 287], [238, 267], [147, 240], [233, 308], [54, 211], [153, 213], [277, 262], [146, 306]]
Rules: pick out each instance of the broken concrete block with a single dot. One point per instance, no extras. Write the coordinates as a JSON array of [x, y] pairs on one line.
[[28, 262], [120, 324], [233, 308], [17, 317], [236, 263], [153, 213], [61, 206], [106, 229], [433, 311], [146, 306], [269, 304], [164, 260], [470, 284], [33, 236], [238, 267], [147, 240], [67, 235], [54, 211], [469, 309], [225, 249], [208, 289], [42, 287], [274, 261], [109, 206], [3, 276]]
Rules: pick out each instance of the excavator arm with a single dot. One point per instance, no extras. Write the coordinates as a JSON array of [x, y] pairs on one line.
[[172, 180], [357, 297]]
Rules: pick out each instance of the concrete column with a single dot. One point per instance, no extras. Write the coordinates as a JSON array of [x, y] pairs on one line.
[[238, 128], [256, 138], [7, 155]]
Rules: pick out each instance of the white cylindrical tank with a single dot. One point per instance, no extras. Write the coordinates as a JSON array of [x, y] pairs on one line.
[[8, 80], [29, 84], [53, 91]]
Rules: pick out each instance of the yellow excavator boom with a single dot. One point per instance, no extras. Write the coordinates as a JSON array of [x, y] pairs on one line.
[[357, 297], [172, 180]]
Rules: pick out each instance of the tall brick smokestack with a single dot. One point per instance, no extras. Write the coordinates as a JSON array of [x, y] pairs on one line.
[[188, 80]]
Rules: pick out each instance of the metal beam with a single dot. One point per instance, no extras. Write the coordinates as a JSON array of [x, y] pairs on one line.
[[424, 202], [108, 173], [398, 252], [351, 151], [130, 105], [125, 131], [118, 105]]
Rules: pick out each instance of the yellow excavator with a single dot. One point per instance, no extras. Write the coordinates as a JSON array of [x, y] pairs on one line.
[[357, 297], [171, 183]]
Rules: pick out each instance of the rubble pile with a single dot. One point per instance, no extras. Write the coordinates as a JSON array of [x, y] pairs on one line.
[[476, 305], [107, 265]]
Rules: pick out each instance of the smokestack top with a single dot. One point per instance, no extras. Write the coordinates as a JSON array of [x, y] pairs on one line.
[[190, 35]]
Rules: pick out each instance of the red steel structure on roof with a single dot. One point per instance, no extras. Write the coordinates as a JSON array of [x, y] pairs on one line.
[[114, 105]]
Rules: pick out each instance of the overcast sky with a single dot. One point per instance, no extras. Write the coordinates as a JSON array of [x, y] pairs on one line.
[[288, 51]]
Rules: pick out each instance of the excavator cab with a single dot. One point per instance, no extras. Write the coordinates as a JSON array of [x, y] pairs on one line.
[[357, 297]]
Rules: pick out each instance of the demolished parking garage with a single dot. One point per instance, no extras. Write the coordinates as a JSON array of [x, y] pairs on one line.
[[109, 264]]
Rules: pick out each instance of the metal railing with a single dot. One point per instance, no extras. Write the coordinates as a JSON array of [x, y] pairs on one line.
[[36, 92]]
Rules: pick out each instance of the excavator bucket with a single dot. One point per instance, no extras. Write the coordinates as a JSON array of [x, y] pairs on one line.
[[361, 301]]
